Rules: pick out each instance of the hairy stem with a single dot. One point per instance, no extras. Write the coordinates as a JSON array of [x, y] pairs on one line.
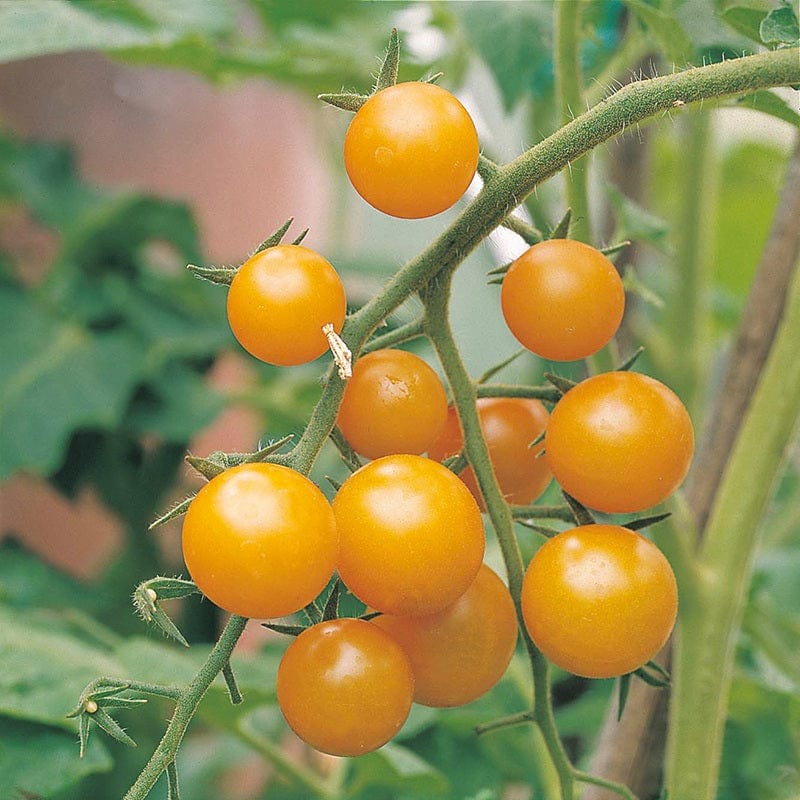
[[569, 90]]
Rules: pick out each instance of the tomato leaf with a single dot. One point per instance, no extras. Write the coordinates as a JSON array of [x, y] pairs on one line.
[[780, 26]]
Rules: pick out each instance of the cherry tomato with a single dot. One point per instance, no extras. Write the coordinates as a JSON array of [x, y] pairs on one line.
[[562, 299], [394, 403], [619, 442], [279, 300], [259, 540], [509, 425], [345, 687], [411, 150], [459, 653], [411, 536], [599, 600]]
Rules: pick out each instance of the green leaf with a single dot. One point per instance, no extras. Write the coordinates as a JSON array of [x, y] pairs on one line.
[[39, 27], [43, 761], [665, 29], [745, 20], [769, 103], [43, 671], [634, 222], [780, 26], [395, 769], [56, 377]]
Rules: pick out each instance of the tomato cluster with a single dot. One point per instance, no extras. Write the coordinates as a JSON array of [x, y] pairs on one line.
[[404, 533]]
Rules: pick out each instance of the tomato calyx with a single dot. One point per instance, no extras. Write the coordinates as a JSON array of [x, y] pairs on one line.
[[218, 461]]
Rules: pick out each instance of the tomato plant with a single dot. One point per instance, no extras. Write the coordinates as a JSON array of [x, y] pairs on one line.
[[562, 299], [410, 535], [259, 540], [510, 425], [345, 687], [461, 652], [599, 600], [411, 150], [619, 442], [279, 301], [394, 403]]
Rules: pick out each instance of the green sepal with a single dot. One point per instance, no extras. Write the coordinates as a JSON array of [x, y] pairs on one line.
[[387, 76], [615, 248], [150, 611], [653, 675], [348, 455], [582, 514], [432, 78], [83, 733], [106, 722], [500, 270], [492, 371], [544, 530], [175, 511], [628, 364], [347, 101], [222, 275], [331, 610], [275, 237], [288, 630], [297, 240], [645, 522], [561, 231], [561, 383], [336, 485], [623, 689], [538, 440], [217, 462]]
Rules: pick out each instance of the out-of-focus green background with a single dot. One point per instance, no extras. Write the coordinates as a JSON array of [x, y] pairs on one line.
[[137, 136]]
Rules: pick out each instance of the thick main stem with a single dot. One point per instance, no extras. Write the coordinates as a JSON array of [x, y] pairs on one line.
[[710, 623]]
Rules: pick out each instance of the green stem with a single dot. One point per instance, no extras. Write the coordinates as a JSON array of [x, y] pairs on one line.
[[613, 786], [548, 392], [569, 91], [436, 300], [515, 181], [709, 624], [185, 708], [688, 305]]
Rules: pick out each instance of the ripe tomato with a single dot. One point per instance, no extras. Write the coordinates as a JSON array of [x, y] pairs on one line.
[[619, 442], [394, 403], [411, 536], [599, 600], [279, 300], [411, 150], [509, 425], [459, 653], [259, 540], [562, 299], [345, 687]]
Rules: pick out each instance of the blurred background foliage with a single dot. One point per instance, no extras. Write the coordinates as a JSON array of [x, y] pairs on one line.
[[104, 361]]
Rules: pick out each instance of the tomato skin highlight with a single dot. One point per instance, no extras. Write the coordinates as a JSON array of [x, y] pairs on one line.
[[411, 536], [599, 600], [279, 300], [562, 299], [619, 442], [393, 403], [461, 652], [345, 687], [411, 150], [259, 540], [509, 426]]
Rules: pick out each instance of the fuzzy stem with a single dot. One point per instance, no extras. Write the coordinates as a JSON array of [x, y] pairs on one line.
[[167, 748], [709, 624], [569, 90], [436, 299]]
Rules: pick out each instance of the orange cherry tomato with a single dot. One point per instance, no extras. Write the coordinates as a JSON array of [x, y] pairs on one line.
[[279, 301], [619, 442], [411, 150], [562, 299], [599, 600], [394, 403], [259, 540], [459, 653], [411, 536], [345, 687], [509, 425]]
